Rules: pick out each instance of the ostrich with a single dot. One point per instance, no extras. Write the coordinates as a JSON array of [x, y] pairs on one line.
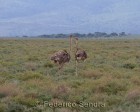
[[61, 57], [80, 55]]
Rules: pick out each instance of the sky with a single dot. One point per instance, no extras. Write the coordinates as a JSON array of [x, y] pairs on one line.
[[37, 17]]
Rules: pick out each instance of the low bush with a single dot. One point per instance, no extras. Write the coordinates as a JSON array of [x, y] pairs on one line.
[[129, 66]]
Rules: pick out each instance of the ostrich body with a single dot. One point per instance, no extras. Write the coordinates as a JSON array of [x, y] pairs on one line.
[[61, 57], [80, 55]]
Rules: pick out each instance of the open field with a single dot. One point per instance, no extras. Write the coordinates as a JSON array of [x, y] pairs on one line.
[[109, 77]]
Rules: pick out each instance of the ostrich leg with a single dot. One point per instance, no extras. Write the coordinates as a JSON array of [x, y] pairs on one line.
[[60, 69], [76, 68], [61, 66], [76, 61], [70, 45]]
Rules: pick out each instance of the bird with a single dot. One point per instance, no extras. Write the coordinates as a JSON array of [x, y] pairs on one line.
[[60, 57], [80, 54]]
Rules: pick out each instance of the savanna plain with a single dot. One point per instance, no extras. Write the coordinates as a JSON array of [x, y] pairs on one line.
[[110, 76]]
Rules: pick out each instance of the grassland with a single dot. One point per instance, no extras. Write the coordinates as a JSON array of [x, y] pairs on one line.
[[110, 76]]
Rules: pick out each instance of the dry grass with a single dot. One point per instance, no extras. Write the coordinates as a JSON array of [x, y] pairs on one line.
[[9, 90], [110, 75], [133, 94]]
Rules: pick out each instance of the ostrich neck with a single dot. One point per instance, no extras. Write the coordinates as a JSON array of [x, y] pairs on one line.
[[76, 45], [75, 40], [70, 49]]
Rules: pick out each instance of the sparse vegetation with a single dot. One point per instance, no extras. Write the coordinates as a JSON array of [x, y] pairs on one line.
[[110, 75]]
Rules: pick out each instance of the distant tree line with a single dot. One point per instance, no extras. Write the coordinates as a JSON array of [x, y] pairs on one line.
[[89, 35]]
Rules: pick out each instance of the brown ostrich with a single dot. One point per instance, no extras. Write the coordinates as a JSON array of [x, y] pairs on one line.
[[80, 54], [61, 57]]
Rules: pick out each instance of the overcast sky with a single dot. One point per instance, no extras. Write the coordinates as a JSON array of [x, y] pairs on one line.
[[36, 17]]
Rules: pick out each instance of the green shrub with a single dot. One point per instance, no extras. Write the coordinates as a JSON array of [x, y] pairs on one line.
[[45, 97], [15, 107], [2, 107], [30, 75], [2, 95], [48, 65], [33, 58], [114, 88], [29, 102], [129, 66]]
